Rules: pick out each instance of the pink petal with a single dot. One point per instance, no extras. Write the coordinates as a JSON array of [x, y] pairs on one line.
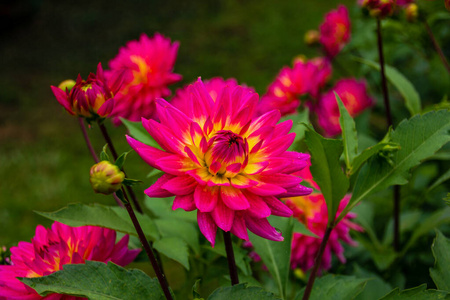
[[239, 229], [279, 145], [234, 198], [207, 226], [205, 198], [223, 216], [61, 96], [277, 207], [263, 228], [181, 185], [268, 119], [242, 182], [266, 189], [282, 180], [175, 164], [202, 175], [185, 202], [148, 153], [155, 190], [258, 207], [295, 191]]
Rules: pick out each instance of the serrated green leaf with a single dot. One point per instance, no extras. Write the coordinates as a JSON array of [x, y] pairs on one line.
[[174, 248], [241, 292], [349, 136], [441, 271], [138, 132], [419, 138], [444, 177], [97, 281], [417, 293], [276, 255], [403, 85], [326, 170], [375, 287], [115, 218], [368, 153], [336, 287], [181, 229]]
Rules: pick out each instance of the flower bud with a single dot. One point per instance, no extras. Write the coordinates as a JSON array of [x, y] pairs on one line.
[[379, 8], [67, 84], [312, 37], [411, 12], [106, 178]]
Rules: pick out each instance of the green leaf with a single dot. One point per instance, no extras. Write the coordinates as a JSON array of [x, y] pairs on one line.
[[97, 281], [276, 255], [115, 218], [299, 227], [174, 248], [419, 138], [417, 293], [162, 208], [138, 132], [368, 153], [441, 271], [121, 159], [444, 177], [104, 154], [375, 288], [131, 182], [403, 85], [181, 229], [240, 256], [298, 127], [196, 289], [349, 136], [241, 292], [326, 170], [336, 287]]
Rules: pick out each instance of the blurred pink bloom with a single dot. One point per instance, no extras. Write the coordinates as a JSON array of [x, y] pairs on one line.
[[312, 211], [91, 98], [292, 83], [335, 31], [379, 8], [146, 66], [353, 94], [51, 249], [220, 161], [214, 86], [404, 3]]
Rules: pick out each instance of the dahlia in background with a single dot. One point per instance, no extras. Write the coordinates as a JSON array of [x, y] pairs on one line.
[[91, 99], [52, 248], [219, 161], [379, 8], [353, 94], [214, 86], [146, 66], [335, 31]]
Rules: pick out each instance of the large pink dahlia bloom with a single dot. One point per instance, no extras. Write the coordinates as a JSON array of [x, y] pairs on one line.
[[51, 249], [147, 67], [335, 31], [220, 161]]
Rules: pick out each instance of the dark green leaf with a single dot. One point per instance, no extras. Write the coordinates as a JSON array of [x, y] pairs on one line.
[[441, 271], [131, 182], [138, 132], [336, 287], [417, 293], [276, 255], [181, 229], [121, 160], [326, 170], [349, 136], [174, 248], [241, 292], [240, 256], [368, 153], [299, 227], [115, 218], [196, 289], [444, 177], [375, 288], [97, 280]]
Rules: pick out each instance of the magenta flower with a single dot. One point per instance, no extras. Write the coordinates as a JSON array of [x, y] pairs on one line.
[[147, 67], [312, 211], [292, 83], [220, 161], [335, 31], [51, 249], [353, 94], [92, 98]]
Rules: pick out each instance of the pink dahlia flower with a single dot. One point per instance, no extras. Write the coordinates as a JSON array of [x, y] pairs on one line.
[[292, 83], [214, 85], [335, 31], [146, 66], [92, 98], [220, 161], [52, 248], [312, 211], [353, 94]]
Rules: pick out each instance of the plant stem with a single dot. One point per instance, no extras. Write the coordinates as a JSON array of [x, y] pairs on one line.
[[230, 257], [317, 262], [148, 249], [436, 46], [87, 140], [396, 210], [114, 153]]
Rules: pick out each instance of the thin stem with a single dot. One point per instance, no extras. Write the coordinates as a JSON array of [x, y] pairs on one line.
[[114, 153], [396, 210], [230, 257], [148, 249], [317, 262], [436, 46], [87, 140]]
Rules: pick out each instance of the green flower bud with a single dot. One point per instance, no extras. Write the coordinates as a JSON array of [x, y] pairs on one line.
[[67, 84], [106, 178]]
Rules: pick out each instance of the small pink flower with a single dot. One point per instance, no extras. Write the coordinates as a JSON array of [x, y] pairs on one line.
[[335, 31], [312, 211], [379, 8], [353, 94], [147, 67], [220, 161], [52, 248], [92, 98]]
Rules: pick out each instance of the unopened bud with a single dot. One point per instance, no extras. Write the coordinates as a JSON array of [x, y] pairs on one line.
[[106, 178], [312, 37], [411, 12], [67, 84]]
